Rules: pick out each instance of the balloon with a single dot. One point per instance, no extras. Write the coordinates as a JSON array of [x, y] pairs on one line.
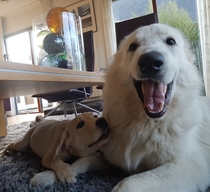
[[54, 43], [54, 21], [40, 37]]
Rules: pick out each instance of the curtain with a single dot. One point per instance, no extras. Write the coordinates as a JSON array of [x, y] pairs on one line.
[[204, 26], [108, 28]]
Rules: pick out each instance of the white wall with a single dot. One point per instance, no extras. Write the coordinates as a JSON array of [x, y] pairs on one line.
[[21, 20]]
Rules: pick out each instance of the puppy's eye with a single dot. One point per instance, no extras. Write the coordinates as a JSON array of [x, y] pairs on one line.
[[133, 47], [80, 124], [95, 116], [170, 41]]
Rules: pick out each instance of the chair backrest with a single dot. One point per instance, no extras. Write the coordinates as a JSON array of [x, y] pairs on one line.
[[89, 50], [124, 28]]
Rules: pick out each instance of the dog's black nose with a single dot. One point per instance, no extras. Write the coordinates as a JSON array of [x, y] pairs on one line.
[[151, 63], [101, 122]]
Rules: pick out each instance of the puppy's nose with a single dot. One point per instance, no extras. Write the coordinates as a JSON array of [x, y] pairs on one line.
[[101, 122], [151, 63]]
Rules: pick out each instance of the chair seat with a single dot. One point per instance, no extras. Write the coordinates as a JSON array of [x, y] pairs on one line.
[[68, 95]]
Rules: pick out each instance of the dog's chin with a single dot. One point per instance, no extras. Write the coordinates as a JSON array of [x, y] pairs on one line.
[[101, 140], [155, 96]]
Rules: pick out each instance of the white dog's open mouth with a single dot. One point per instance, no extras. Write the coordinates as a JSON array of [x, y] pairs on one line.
[[154, 96]]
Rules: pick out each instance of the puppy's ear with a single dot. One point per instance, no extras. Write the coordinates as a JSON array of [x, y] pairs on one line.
[[56, 147]]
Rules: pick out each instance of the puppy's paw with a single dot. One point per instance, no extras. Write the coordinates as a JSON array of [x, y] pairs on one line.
[[8, 149], [37, 119], [65, 174], [44, 178]]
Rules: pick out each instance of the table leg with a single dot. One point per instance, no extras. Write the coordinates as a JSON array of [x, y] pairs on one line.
[[3, 126]]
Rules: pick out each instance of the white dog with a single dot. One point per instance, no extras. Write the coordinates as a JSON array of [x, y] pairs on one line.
[[159, 125]]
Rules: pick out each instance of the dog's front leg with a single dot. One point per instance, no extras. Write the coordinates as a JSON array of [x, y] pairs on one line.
[[179, 176], [82, 165], [63, 170], [89, 163]]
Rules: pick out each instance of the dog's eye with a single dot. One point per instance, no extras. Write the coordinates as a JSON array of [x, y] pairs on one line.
[[170, 41], [95, 116], [80, 124], [133, 47]]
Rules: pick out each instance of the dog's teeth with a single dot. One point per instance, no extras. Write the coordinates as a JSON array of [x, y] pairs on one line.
[[160, 106], [149, 108], [155, 111], [164, 89]]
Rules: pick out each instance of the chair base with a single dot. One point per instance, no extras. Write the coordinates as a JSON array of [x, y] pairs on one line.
[[93, 105], [85, 106]]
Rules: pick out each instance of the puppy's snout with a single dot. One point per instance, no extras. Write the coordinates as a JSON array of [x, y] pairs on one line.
[[151, 63], [102, 123]]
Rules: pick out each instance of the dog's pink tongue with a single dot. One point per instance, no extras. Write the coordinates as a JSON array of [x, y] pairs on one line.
[[154, 95]]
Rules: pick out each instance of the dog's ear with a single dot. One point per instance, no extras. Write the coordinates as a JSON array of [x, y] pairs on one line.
[[56, 147], [189, 54]]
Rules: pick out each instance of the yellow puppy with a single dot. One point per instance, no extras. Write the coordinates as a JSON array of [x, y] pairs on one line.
[[56, 141]]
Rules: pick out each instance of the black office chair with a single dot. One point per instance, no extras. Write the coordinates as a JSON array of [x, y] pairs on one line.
[[74, 96], [124, 28]]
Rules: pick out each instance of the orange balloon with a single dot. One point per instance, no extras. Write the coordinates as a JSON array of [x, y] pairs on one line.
[[54, 21]]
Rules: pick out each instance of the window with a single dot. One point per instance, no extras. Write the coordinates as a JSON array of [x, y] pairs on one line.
[[176, 13], [19, 48], [124, 9]]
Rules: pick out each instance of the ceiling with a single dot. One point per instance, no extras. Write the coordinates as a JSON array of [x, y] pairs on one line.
[[12, 6], [8, 7]]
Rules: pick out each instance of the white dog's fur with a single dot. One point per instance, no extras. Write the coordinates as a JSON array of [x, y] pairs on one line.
[[170, 153]]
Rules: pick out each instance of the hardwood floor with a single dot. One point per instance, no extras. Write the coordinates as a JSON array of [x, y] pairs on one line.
[[16, 119]]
